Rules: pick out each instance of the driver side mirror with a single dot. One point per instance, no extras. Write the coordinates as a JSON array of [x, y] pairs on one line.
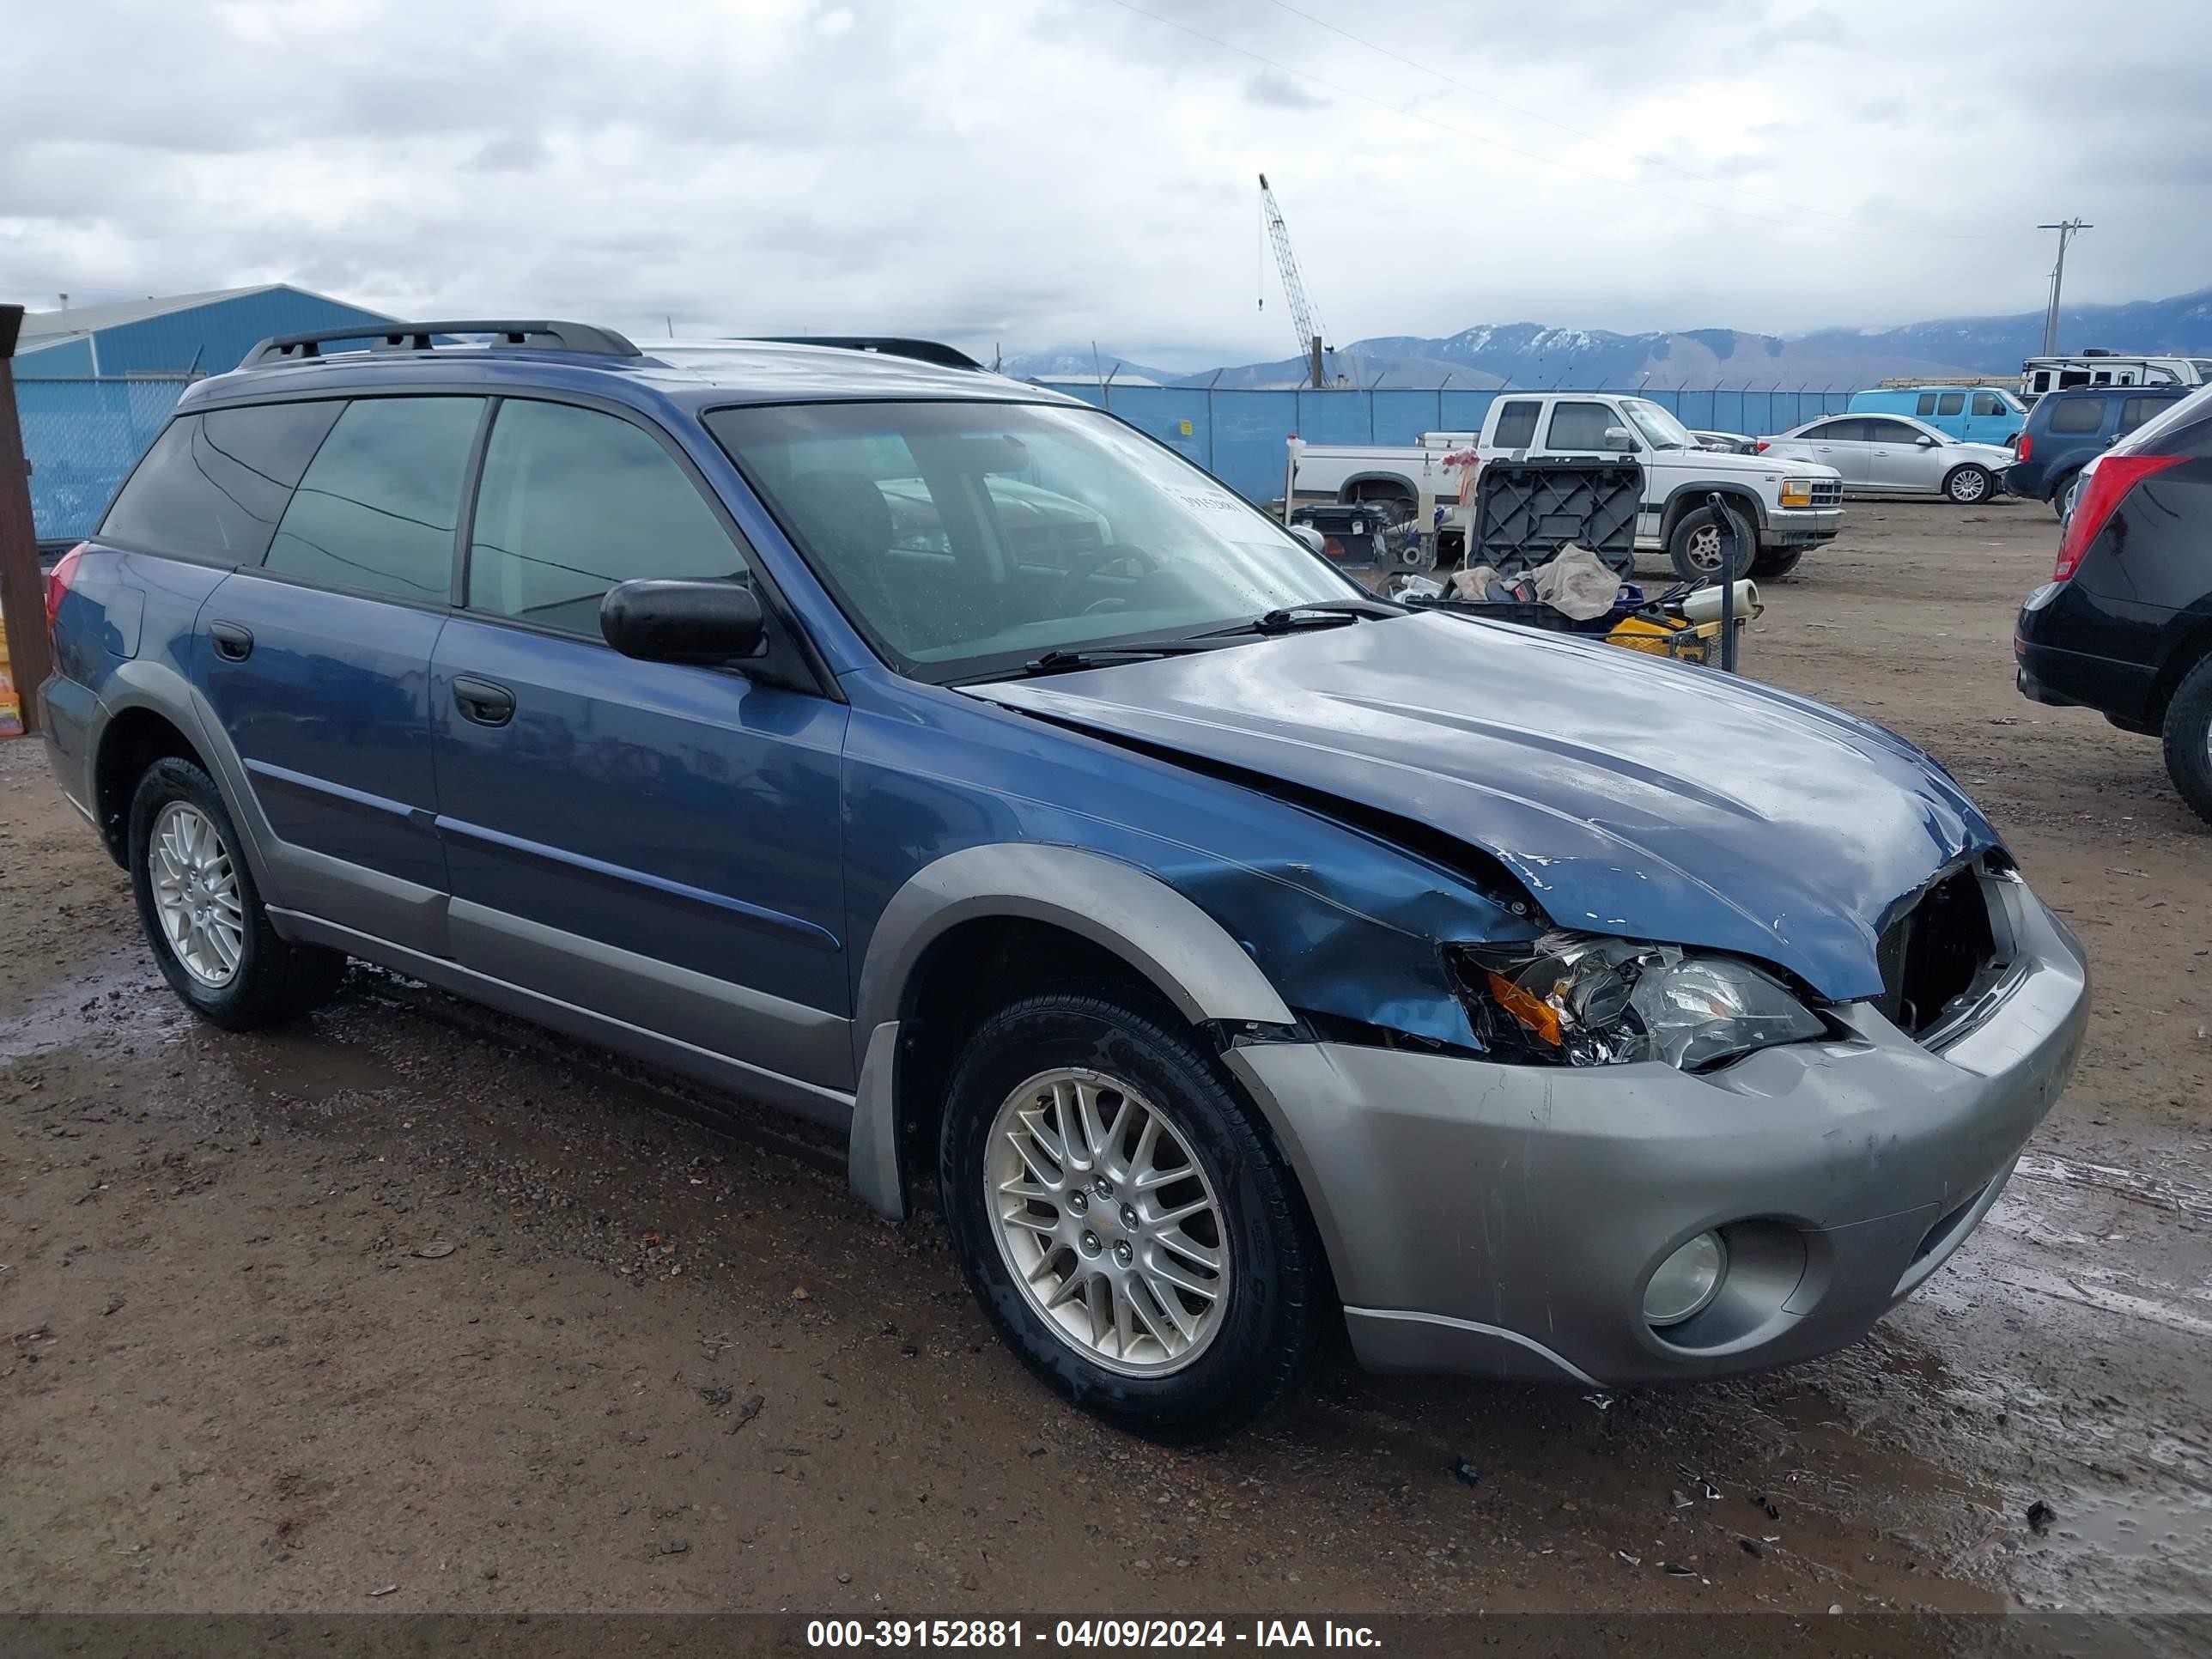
[[1619, 438], [1925, 441], [690, 622]]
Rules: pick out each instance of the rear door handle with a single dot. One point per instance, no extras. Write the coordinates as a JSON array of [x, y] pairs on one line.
[[482, 701], [234, 642]]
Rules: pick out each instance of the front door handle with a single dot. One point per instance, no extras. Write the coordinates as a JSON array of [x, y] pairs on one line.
[[482, 701], [234, 642]]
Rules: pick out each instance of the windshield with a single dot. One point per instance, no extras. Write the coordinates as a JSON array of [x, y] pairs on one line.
[[963, 538], [1664, 431]]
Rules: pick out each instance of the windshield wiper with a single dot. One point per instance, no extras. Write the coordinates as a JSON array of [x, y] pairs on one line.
[[1322, 613], [1101, 656]]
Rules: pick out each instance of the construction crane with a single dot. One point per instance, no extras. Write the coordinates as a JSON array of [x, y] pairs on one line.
[[1303, 315]]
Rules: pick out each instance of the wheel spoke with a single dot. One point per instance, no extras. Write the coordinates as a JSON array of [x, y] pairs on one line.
[[1047, 1175], [1020, 1217], [1201, 1255], [1151, 1321], [1086, 1117], [1055, 1148], [1070, 1288], [1156, 1268], [1182, 1213]]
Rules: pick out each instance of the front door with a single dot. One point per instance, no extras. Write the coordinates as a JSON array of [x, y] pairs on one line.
[[317, 663], [1897, 463], [655, 843]]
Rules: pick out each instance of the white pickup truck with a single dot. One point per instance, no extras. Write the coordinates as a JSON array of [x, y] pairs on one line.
[[1783, 508]]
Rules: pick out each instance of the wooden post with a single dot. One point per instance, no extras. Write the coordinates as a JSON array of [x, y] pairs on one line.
[[23, 595]]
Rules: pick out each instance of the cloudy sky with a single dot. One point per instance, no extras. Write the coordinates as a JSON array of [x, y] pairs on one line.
[[1040, 172]]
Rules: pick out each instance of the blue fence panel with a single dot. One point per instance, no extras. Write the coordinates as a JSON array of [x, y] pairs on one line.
[[1465, 411], [81, 437], [1400, 417]]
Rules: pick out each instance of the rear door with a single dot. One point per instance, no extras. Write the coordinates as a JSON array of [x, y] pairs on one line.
[[1838, 443], [655, 843], [317, 663]]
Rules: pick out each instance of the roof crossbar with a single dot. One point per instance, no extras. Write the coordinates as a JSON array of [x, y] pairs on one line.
[[922, 351], [422, 337]]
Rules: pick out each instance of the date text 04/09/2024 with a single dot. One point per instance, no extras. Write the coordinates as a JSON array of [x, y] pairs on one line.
[[1086, 1633]]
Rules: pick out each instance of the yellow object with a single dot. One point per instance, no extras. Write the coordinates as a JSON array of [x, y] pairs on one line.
[[1185, 425], [1797, 492], [11, 708], [1665, 637], [1532, 1011]]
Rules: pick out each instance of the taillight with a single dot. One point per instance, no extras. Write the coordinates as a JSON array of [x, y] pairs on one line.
[[58, 583], [2027, 445], [1762, 447], [2104, 486]]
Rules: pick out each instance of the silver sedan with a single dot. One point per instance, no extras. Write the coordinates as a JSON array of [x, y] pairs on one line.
[[1893, 455]]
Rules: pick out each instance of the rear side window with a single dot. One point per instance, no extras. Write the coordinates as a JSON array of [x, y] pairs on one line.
[[214, 485], [1579, 426], [1892, 431], [1988, 403], [1926, 405], [1517, 425], [574, 501], [378, 506], [2136, 410], [1951, 403], [2078, 414]]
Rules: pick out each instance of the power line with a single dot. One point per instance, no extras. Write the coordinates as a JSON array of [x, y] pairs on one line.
[[1577, 132], [1499, 144]]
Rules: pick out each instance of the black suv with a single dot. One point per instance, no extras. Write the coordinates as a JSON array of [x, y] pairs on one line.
[[2124, 625], [2067, 430]]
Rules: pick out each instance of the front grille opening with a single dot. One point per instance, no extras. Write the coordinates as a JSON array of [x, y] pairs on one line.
[[1933, 953]]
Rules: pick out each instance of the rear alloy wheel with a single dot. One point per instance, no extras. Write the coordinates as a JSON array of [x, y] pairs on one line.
[[1124, 1218], [211, 938], [1968, 484], [2188, 738]]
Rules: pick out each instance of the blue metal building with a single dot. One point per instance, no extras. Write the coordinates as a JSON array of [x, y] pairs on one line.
[[94, 384], [173, 334]]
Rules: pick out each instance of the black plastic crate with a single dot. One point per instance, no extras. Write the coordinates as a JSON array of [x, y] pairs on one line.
[[1526, 510]]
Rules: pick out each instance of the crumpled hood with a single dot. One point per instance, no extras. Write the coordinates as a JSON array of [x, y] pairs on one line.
[[1631, 796]]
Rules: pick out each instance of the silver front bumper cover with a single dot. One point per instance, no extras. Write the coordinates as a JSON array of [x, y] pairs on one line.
[[1501, 1220]]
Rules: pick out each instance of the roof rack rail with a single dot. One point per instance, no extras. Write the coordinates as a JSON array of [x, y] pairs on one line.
[[922, 351], [420, 336]]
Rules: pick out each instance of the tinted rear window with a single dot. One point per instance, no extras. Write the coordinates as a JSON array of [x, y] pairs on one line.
[[1951, 403], [376, 510], [2077, 415], [1517, 425], [214, 485]]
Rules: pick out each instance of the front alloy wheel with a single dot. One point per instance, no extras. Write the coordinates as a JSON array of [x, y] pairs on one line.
[[1107, 1221]]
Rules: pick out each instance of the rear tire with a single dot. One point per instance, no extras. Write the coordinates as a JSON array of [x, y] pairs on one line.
[[2188, 739], [1019, 1082], [1773, 563], [1969, 485], [202, 914], [1695, 551], [2059, 491]]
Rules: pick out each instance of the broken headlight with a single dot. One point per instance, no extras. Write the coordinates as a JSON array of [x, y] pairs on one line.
[[1575, 1001]]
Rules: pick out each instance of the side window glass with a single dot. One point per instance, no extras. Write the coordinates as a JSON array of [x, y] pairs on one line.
[[2077, 415], [2136, 410], [1988, 403], [1517, 424], [1926, 405], [574, 501], [378, 507], [1951, 403], [1579, 426], [214, 485]]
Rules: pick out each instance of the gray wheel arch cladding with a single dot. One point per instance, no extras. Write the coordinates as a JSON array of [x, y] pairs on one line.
[[1163, 936]]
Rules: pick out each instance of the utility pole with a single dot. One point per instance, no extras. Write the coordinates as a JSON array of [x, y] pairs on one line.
[[2066, 229]]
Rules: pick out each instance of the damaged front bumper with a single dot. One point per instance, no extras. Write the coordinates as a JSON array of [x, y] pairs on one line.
[[1503, 1220]]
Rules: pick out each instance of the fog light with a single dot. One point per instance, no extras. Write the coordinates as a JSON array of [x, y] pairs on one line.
[[1685, 1281]]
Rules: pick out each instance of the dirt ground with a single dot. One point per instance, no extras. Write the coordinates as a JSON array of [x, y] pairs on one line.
[[671, 1365]]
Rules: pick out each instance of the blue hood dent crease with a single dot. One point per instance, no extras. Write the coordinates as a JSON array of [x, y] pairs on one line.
[[1633, 796]]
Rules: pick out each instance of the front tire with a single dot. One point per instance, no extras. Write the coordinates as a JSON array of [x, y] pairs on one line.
[[1969, 484], [1124, 1218], [1695, 548], [202, 914], [2188, 739], [1773, 563]]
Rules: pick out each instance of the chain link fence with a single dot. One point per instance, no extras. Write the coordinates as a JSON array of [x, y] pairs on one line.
[[82, 436], [1239, 435]]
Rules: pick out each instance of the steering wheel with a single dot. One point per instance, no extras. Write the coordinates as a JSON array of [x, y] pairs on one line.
[[1071, 583]]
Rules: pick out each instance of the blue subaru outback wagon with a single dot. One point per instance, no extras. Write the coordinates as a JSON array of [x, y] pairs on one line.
[[946, 761]]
